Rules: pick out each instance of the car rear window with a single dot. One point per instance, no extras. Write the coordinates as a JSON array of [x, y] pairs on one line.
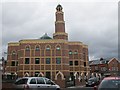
[[110, 83], [21, 81], [47, 81]]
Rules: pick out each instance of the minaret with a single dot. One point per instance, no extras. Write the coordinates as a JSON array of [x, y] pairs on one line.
[[60, 25]]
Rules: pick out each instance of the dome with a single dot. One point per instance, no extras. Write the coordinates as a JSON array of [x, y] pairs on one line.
[[45, 36], [59, 7]]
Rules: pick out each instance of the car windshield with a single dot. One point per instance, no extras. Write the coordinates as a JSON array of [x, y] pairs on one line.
[[115, 83]]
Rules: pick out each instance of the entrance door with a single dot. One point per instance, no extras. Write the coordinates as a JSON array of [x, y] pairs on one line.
[[48, 75]]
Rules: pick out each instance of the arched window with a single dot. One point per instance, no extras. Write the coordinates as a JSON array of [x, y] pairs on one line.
[[13, 53], [58, 51], [47, 48], [37, 48], [58, 48], [27, 48], [76, 52], [70, 52]]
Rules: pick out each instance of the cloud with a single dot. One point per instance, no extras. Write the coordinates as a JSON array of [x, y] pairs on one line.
[[94, 24]]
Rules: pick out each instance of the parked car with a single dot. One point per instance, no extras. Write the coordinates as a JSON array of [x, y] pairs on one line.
[[35, 83], [109, 83], [92, 82]]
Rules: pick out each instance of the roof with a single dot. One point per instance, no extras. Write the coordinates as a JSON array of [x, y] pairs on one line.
[[45, 36], [94, 62], [100, 61], [109, 78], [113, 59]]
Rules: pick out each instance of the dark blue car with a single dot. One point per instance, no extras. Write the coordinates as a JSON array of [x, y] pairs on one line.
[[92, 82]]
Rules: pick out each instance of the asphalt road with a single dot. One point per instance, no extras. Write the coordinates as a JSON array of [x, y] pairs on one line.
[[79, 88]]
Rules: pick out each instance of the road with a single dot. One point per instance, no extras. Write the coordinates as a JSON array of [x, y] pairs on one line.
[[79, 88]]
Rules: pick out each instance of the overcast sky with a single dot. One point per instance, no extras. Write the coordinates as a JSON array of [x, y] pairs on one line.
[[93, 23]]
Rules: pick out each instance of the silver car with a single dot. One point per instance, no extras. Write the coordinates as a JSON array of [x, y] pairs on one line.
[[35, 83]]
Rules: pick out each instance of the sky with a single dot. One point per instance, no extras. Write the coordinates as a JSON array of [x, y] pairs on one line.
[[93, 23]]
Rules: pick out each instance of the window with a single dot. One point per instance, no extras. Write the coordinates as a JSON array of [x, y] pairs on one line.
[[58, 60], [96, 67], [37, 48], [71, 63], [103, 68], [21, 81], [84, 63], [112, 84], [33, 81], [70, 52], [75, 52], [13, 53], [76, 62], [37, 60], [26, 60], [48, 81], [48, 75], [84, 56], [58, 48], [13, 63], [27, 48], [40, 81], [114, 68], [47, 60], [48, 48]]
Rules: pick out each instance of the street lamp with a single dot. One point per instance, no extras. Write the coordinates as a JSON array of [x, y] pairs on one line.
[[90, 72]]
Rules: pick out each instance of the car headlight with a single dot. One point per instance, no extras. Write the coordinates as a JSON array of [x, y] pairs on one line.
[[93, 82]]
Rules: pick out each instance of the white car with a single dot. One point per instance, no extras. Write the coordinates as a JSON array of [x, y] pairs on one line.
[[35, 83]]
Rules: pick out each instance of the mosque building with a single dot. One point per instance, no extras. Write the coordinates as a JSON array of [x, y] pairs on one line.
[[52, 57]]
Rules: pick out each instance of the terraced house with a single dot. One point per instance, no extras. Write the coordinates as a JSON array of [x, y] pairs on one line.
[[105, 67], [53, 57]]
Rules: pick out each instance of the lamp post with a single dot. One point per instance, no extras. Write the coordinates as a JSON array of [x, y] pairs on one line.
[[3, 64], [90, 72]]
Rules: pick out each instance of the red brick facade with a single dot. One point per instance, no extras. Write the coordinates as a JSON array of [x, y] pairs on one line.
[[105, 67]]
